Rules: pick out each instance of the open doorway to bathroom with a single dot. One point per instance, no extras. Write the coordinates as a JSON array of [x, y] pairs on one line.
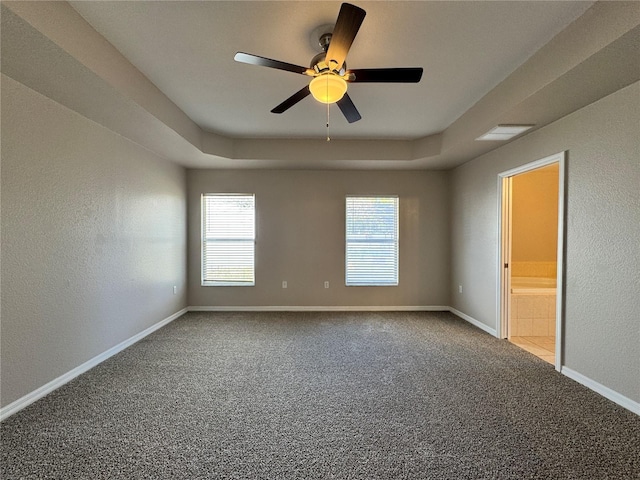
[[531, 223]]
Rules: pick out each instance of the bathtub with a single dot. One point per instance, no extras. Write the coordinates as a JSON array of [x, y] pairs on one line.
[[533, 307], [533, 286]]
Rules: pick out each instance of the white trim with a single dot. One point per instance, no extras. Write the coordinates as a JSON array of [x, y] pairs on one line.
[[37, 394], [56, 383], [543, 162], [606, 392], [320, 308], [558, 158], [503, 304], [474, 322], [325, 308], [560, 261]]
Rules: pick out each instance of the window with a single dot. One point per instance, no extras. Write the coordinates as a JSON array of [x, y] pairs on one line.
[[372, 241], [228, 239]]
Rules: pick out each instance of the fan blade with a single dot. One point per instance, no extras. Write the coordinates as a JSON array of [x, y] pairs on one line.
[[347, 25], [386, 75], [267, 62], [348, 109], [292, 100]]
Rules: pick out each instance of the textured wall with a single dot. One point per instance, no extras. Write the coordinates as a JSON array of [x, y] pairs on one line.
[[300, 237], [602, 322], [93, 240]]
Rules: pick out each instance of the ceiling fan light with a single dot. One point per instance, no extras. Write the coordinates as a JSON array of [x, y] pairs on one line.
[[328, 88]]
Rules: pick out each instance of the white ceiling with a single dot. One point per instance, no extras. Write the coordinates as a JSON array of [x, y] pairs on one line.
[[162, 75], [466, 48]]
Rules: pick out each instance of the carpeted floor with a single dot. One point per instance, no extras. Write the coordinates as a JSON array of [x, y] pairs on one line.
[[322, 396]]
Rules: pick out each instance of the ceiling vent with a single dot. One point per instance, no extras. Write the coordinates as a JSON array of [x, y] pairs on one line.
[[504, 132]]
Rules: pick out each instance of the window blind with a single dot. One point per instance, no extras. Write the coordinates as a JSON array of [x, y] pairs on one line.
[[371, 241], [228, 239]]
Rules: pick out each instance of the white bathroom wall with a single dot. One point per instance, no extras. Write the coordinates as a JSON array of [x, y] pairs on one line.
[[534, 222], [532, 315]]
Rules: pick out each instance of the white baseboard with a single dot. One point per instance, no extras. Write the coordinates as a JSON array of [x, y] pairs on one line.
[[320, 308], [474, 322], [606, 392], [37, 394], [28, 399], [331, 308]]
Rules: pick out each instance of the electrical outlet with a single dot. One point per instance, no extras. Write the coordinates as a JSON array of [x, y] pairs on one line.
[[326, 284], [175, 289], [284, 284], [459, 288]]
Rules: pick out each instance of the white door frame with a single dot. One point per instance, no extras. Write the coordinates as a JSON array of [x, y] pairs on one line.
[[503, 277]]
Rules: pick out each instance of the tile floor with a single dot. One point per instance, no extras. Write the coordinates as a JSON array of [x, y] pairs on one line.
[[542, 347]]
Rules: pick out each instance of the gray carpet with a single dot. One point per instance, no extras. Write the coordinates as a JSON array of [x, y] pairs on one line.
[[322, 396]]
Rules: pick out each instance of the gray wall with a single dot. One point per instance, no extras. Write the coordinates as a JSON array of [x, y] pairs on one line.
[[93, 240], [300, 237], [602, 324]]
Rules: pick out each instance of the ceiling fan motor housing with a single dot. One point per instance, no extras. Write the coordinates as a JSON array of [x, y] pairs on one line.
[[330, 75], [319, 63], [324, 40]]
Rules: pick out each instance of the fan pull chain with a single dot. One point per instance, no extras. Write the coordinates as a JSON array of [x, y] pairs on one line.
[[328, 137]]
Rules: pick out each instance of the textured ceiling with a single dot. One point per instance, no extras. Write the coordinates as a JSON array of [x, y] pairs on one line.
[[466, 48]]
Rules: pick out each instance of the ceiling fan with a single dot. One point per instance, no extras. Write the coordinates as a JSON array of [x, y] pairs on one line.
[[328, 69]]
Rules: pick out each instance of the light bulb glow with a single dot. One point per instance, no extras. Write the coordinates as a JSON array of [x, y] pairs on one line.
[[328, 88]]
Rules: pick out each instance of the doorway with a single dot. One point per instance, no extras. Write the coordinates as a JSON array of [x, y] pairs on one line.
[[531, 257]]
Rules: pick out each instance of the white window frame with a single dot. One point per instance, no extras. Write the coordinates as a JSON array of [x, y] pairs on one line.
[[249, 238], [395, 240]]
